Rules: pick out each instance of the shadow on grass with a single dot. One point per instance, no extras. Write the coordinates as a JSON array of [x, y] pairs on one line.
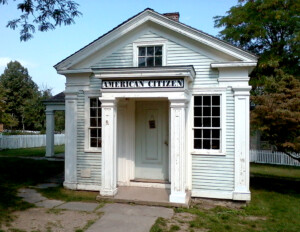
[[16, 173], [275, 184]]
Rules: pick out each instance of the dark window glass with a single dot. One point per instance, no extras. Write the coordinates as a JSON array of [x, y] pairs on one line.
[[158, 61], [197, 122], [142, 62], [216, 100], [207, 131], [197, 133], [150, 56], [198, 143], [150, 61], [142, 51], [95, 123]]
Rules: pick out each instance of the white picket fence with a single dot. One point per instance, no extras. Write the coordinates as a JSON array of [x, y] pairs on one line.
[[25, 141], [272, 157]]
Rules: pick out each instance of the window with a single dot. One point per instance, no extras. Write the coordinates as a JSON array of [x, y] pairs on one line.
[[207, 122], [95, 132], [150, 56]]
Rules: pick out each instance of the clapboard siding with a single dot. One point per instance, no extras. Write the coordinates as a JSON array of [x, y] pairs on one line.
[[118, 59], [217, 172], [91, 161], [176, 55]]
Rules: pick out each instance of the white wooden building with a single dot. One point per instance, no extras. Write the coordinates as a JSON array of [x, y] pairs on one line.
[[159, 104]]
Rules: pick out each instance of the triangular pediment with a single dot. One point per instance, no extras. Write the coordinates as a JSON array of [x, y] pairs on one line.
[[118, 42]]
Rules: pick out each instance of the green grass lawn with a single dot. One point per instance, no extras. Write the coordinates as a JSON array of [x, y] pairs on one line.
[[32, 152], [274, 207], [275, 204], [16, 173]]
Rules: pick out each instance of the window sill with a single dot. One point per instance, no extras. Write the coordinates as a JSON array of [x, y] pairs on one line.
[[93, 150], [208, 153]]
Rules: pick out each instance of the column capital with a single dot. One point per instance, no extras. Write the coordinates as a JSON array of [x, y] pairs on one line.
[[178, 102], [241, 90], [49, 112], [108, 102]]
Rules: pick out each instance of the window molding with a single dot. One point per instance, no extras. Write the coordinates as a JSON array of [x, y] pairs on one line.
[[222, 150], [162, 43], [87, 147]]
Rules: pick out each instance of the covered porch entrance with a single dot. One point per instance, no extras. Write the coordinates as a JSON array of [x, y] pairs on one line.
[[144, 129]]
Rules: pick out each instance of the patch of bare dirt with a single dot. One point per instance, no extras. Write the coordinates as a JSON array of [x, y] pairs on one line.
[[210, 204], [255, 218], [45, 220]]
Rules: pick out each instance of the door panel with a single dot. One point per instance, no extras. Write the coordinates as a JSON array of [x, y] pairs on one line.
[[151, 159]]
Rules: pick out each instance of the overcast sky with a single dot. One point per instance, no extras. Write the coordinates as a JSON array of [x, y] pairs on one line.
[[98, 16]]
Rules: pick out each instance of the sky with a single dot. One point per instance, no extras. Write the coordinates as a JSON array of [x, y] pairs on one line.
[[46, 49]]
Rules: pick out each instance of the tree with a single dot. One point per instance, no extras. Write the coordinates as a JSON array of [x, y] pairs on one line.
[[43, 14], [271, 30], [7, 119], [20, 89], [268, 28], [277, 113]]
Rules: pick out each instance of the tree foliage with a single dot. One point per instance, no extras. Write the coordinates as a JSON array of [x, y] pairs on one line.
[[23, 100], [270, 29], [43, 14], [277, 113]]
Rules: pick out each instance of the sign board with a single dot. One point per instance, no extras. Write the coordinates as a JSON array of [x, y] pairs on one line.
[[138, 84]]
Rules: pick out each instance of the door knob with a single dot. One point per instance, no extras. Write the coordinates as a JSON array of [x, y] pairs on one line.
[[166, 143]]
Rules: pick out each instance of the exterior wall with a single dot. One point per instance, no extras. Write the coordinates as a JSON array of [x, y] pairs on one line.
[[88, 163], [209, 173]]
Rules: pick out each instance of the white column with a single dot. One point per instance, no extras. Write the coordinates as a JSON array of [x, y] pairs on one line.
[[109, 145], [241, 182], [177, 150], [71, 141], [49, 133]]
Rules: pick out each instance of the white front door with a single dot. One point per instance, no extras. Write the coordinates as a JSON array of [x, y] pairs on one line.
[[151, 140]]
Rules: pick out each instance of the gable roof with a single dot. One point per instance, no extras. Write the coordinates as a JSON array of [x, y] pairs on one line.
[[150, 15]]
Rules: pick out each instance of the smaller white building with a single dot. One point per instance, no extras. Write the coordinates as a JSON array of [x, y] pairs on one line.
[[156, 103]]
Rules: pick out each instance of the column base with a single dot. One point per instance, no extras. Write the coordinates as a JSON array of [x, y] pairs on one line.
[[70, 185], [178, 197], [108, 192], [241, 196]]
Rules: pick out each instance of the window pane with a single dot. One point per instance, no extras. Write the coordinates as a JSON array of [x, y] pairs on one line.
[[142, 62], [198, 143], [206, 144], [99, 142], [215, 134], [197, 122], [150, 51], [99, 122], [215, 144], [93, 112], [216, 111], [93, 102], [216, 100], [197, 133], [158, 50], [150, 61], [206, 111], [158, 61], [93, 133], [198, 100], [99, 112], [93, 122], [216, 122], [206, 100], [206, 134], [207, 122], [99, 133], [93, 142], [198, 111], [142, 51]]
